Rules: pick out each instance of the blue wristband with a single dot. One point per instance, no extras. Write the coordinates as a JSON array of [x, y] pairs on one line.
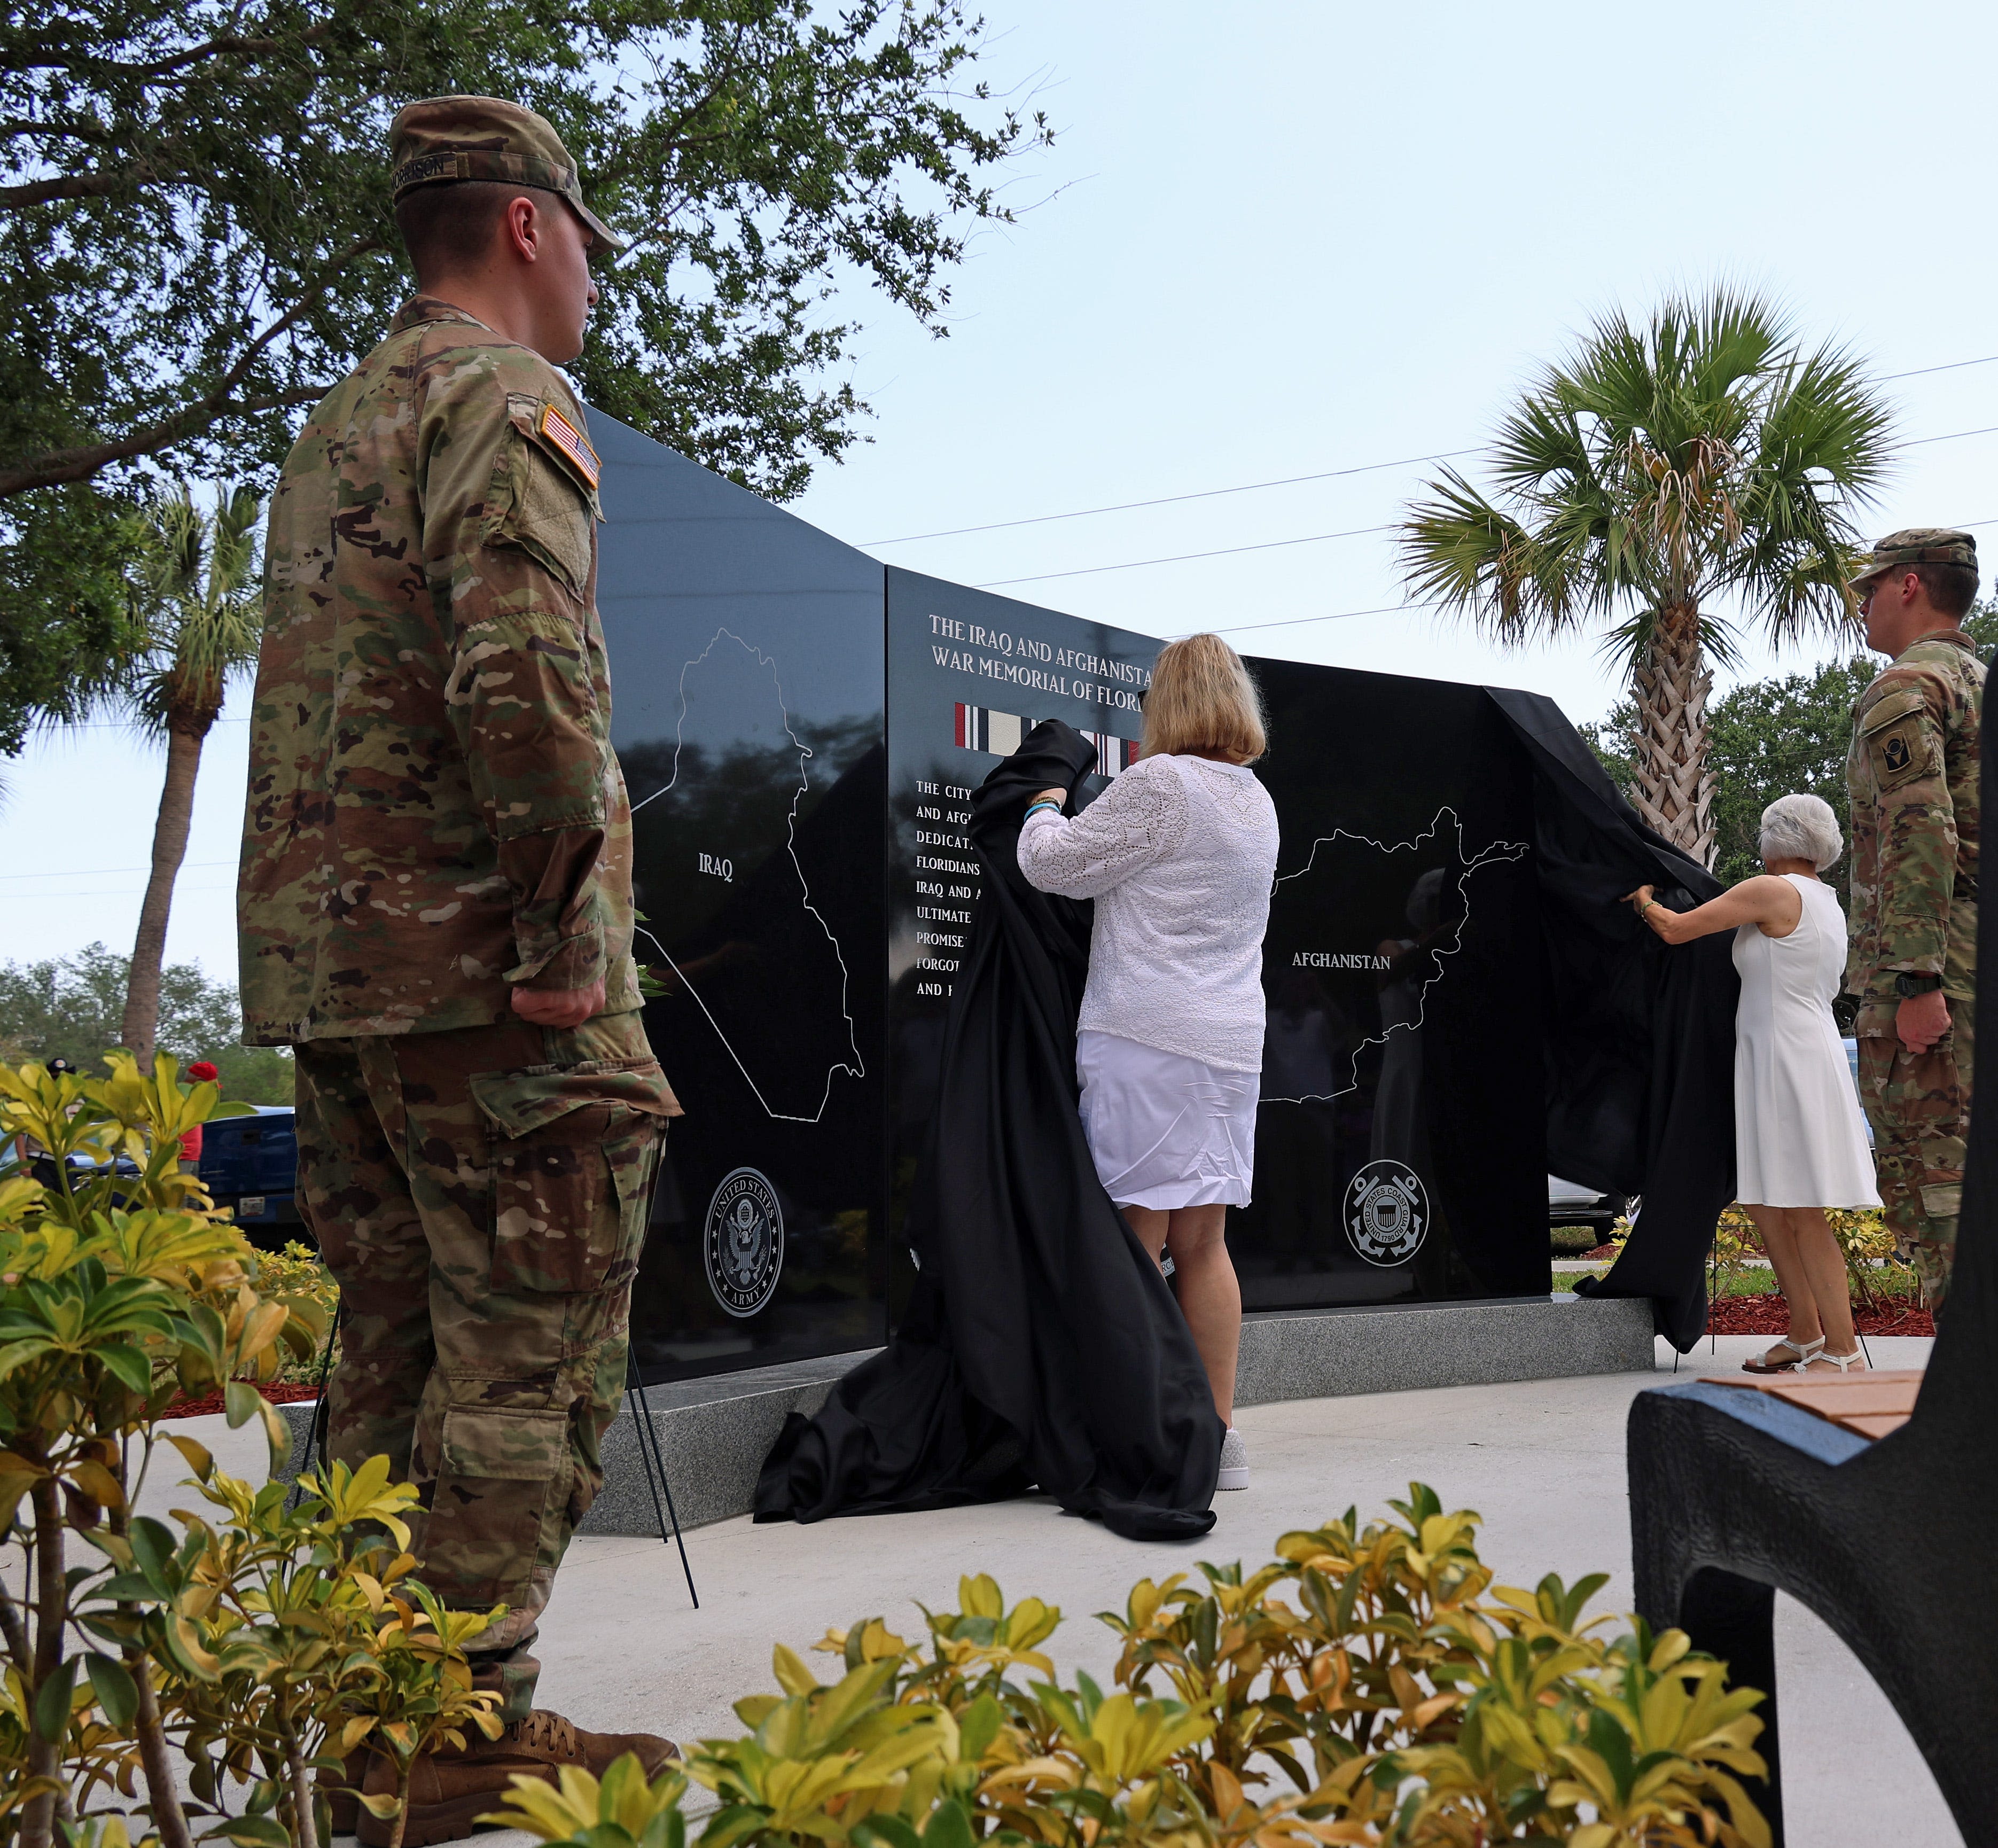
[[1036, 808]]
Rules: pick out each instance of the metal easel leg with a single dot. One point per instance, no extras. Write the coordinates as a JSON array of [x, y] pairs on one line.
[[654, 1466], [316, 1429]]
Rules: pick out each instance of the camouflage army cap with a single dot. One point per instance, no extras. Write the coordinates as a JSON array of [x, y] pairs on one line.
[[445, 138], [1917, 545]]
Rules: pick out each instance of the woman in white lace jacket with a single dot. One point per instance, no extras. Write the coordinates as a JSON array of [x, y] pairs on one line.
[[1179, 853]]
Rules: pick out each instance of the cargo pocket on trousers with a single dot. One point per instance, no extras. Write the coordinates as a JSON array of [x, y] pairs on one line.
[[574, 1149], [497, 1474], [1943, 1201]]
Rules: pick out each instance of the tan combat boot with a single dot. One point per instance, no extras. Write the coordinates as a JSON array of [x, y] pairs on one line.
[[450, 1791], [342, 1792]]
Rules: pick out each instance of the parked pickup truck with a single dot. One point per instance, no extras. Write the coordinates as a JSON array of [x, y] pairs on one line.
[[250, 1164]]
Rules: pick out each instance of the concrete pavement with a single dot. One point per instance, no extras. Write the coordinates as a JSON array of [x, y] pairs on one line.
[[1542, 1462]]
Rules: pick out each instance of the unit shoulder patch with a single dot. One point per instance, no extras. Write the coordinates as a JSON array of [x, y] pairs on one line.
[[1901, 750]]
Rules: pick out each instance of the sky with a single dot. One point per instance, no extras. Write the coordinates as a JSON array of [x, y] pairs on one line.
[[1282, 239]]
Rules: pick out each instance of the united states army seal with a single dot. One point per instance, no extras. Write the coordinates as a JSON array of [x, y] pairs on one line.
[[745, 1244], [1387, 1212]]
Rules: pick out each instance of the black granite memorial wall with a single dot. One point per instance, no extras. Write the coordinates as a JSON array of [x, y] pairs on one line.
[[801, 727]]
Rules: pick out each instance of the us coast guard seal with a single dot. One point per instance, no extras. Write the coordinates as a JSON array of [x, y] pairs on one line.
[[1387, 1212], [744, 1244]]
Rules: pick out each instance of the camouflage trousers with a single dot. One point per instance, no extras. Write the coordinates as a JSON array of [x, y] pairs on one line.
[[479, 1195], [1919, 1104]]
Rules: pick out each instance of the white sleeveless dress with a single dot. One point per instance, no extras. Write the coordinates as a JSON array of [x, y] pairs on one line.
[[1799, 1135]]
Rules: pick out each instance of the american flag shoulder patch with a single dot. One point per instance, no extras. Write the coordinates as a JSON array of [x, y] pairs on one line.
[[1001, 734], [572, 442]]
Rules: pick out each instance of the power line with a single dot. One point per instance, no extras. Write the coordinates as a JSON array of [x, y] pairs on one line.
[[187, 866], [131, 727], [1954, 365], [1916, 441], [128, 891], [1123, 506], [1250, 487], [1292, 622], [1223, 551], [1398, 609], [1181, 557]]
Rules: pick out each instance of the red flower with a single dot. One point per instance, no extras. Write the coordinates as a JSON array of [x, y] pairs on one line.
[[202, 1072]]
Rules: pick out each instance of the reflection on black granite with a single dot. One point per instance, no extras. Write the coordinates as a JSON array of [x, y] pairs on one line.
[[746, 934], [745, 646], [1402, 958], [801, 893], [767, 1012]]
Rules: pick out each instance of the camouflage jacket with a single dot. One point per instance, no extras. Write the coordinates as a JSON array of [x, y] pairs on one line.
[[1912, 775], [435, 813]]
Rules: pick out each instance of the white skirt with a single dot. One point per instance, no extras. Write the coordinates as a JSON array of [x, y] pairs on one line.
[[1165, 1130]]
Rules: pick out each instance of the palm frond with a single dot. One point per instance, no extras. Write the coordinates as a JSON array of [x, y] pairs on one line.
[[1461, 553], [1541, 448], [1612, 380], [201, 604], [1661, 462], [1731, 341], [1821, 414]]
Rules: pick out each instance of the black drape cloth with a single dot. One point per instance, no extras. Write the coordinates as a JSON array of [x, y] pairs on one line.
[[1041, 1346], [1639, 1034]]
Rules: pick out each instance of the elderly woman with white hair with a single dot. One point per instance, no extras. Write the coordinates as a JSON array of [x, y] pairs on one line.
[[1799, 1139]]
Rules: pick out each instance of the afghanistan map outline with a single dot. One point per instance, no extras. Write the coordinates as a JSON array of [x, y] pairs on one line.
[[1496, 853]]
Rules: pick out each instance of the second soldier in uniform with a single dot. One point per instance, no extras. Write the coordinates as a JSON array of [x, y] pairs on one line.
[[435, 910], [1911, 774]]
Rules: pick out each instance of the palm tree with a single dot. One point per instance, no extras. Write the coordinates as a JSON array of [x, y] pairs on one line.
[[203, 608], [1701, 458]]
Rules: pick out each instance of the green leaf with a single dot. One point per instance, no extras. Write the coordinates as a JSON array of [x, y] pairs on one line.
[[277, 1434], [153, 1551], [53, 1702], [240, 1400], [18, 1354], [130, 1364], [949, 1826], [978, 1726], [116, 1692], [251, 1832], [884, 1830]]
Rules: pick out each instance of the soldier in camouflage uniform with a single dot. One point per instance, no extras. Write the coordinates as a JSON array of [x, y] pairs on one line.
[[1912, 776], [435, 905]]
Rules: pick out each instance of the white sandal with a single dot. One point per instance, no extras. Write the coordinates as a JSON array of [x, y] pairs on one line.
[[1804, 1351], [1845, 1362]]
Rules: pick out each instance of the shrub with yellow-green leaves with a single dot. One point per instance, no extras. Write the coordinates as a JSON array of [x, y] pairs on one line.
[[1368, 1686], [1863, 1240], [298, 1273], [258, 1640]]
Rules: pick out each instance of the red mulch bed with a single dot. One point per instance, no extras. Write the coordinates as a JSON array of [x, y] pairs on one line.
[[277, 1395], [1766, 1314]]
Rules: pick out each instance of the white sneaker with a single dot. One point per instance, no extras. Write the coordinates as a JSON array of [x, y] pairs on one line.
[[1234, 1462]]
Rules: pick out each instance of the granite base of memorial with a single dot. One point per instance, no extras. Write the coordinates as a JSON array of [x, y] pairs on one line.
[[713, 1433]]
